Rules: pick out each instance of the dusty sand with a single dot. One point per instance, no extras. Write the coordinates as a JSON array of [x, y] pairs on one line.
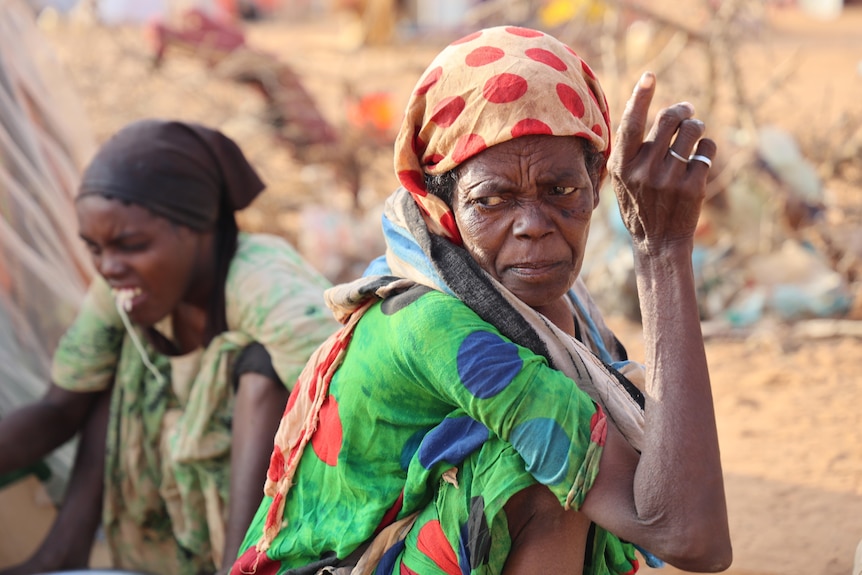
[[788, 409]]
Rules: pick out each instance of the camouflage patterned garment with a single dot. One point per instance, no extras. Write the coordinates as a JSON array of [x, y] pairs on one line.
[[168, 446]]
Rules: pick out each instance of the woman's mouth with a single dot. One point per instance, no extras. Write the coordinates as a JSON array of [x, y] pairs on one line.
[[534, 270], [125, 297]]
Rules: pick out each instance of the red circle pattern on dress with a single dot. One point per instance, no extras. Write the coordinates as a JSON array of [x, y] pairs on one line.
[[433, 543], [329, 435], [276, 466]]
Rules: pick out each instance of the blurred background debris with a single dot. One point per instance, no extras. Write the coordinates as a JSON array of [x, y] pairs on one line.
[[775, 192]]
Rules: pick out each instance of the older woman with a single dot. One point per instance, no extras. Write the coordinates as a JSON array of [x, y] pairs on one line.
[[192, 332], [474, 414]]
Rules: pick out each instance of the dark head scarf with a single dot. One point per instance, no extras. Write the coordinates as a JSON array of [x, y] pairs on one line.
[[187, 173], [181, 171]]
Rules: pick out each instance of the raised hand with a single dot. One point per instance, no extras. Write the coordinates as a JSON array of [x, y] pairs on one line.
[[660, 180]]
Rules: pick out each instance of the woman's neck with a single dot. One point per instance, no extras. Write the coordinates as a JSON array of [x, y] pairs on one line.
[[185, 332], [190, 317], [559, 313], [202, 286], [189, 323]]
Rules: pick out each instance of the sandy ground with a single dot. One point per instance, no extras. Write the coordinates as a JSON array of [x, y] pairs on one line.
[[788, 408]]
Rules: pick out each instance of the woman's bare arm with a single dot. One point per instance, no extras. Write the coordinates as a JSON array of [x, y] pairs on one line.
[[70, 539], [670, 499], [33, 431], [260, 402]]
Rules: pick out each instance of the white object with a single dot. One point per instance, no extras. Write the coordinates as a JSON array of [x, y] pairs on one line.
[[441, 13], [113, 12], [824, 9]]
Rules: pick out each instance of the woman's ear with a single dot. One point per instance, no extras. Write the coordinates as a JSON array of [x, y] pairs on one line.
[[597, 189]]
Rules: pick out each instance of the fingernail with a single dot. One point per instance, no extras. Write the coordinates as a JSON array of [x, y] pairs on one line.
[[688, 105], [647, 80]]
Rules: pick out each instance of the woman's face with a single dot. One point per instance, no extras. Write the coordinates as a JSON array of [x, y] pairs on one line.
[[149, 259], [523, 208]]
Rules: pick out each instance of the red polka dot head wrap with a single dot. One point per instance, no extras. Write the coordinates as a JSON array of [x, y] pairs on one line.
[[484, 89]]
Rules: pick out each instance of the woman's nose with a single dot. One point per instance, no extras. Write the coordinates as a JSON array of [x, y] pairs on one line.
[[531, 221], [110, 266]]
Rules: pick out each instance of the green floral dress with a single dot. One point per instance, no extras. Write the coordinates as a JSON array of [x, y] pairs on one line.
[[168, 445], [434, 419]]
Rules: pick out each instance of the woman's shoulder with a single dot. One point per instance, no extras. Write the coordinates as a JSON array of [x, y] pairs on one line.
[[269, 281], [261, 254], [86, 356], [423, 309], [253, 248]]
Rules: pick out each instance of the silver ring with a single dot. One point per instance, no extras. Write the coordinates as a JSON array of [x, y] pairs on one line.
[[677, 156], [700, 158]]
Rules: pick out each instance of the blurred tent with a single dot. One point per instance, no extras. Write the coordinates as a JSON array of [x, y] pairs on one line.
[[44, 268]]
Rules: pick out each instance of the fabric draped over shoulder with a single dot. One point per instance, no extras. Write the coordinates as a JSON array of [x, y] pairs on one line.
[[175, 169]]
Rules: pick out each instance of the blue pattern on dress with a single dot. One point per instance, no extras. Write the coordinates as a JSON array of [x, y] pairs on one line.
[[487, 363], [452, 441], [410, 448], [544, 445]]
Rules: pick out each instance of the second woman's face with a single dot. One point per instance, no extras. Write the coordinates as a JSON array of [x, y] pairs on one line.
[[523, 208], [146, 258]]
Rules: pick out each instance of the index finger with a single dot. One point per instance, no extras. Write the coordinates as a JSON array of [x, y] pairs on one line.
[[630, 134]]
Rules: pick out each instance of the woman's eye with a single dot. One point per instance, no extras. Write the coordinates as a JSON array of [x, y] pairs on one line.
[[564, 190], [139, 247], [489, 201]]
